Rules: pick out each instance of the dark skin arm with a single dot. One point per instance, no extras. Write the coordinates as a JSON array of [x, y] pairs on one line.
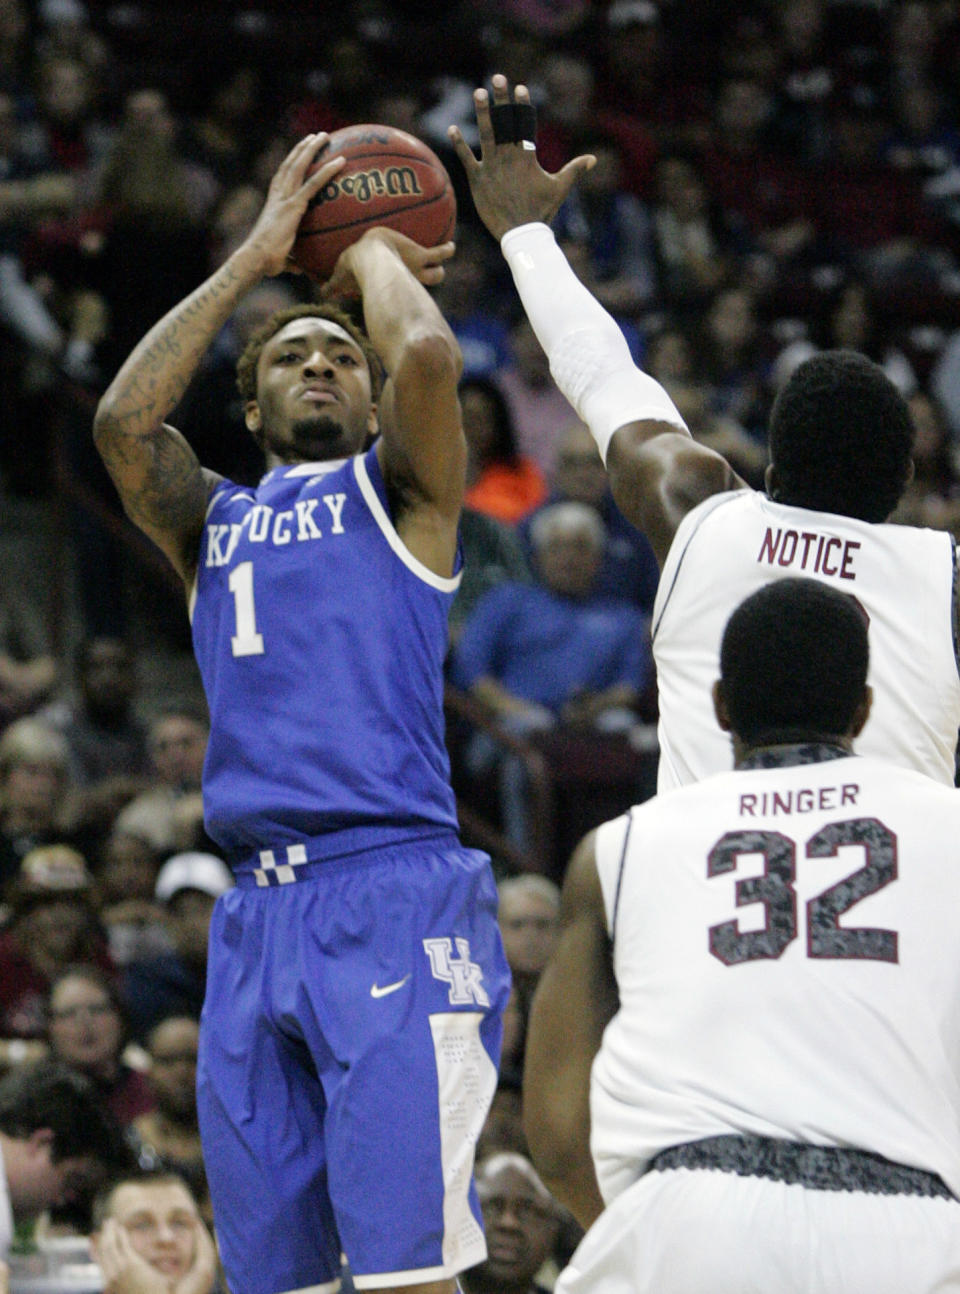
[[575, 1000], [160, 481], [657, 472]]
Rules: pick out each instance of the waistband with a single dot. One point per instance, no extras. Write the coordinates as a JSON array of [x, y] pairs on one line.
[[304, 861], [796, 1163]]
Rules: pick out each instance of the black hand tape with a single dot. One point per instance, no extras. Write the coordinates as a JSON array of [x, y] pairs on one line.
[[513, 123]]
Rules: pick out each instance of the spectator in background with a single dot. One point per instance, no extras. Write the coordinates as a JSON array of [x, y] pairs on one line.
[[629, 569], [536, 406], [28, 668], [103, 734], [535, 657], [36, 793], [134, 922], [529, 926], [932, 497], [692, 244], [501, 481], [53, 924], [521, 1221], [173, 983], [57, 1143], [87, 1030], [149, 1237], [492, 553], [734, 360], [168, 1136], [614, 228], [847, 317], [468, 301], [177, 743]]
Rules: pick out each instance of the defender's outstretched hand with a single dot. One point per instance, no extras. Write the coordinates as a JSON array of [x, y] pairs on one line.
[[508, 184]]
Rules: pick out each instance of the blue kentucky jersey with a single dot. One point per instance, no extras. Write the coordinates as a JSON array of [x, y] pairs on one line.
[[320, 640]]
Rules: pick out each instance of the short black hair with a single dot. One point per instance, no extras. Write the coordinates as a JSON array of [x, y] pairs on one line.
[[103, 1200], [841, 436], [52, 1095], [793, 663]]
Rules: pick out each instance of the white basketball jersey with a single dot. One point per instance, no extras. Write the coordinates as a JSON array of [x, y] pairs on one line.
[[903, 577], [786, 942]]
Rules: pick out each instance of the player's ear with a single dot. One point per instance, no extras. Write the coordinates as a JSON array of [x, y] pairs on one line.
[[373, 421], [720, 706], [251, 416], [770, 482], [862, 713]]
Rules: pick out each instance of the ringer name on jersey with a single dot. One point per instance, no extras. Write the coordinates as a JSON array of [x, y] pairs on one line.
[[266, 525], [809, 551], [770, 804]]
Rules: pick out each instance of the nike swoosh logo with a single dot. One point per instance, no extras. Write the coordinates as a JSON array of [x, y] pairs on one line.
[[377, 991]]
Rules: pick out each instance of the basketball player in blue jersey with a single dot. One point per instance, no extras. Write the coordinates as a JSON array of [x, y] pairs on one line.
[[356, 980]]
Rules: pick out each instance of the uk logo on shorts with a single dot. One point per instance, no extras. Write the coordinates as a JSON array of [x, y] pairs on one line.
[[464, 976]]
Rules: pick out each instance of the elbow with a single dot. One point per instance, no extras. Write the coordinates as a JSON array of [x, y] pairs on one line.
[[433, 353]]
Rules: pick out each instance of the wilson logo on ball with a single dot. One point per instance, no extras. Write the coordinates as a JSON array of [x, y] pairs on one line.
[[393, 182]]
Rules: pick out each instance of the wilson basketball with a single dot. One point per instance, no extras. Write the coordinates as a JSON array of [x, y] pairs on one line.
[[390, 178]]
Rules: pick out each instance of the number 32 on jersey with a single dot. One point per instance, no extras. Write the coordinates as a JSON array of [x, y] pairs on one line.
[[774, 889]]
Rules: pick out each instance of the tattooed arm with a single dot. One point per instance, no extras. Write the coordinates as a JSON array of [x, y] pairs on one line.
[[160, 481]]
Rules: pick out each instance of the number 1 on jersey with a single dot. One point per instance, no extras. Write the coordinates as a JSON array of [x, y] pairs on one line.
[[246, 641]]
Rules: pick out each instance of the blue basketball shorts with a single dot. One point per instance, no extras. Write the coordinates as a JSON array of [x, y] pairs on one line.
[[349, 1047]]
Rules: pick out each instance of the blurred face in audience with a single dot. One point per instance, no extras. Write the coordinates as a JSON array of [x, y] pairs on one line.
[[177, 747], [127, 869], [32, 791], [520, 1219], [173, 1066], [160, 1220], [51, 931], [85, 1027], [529, 923]]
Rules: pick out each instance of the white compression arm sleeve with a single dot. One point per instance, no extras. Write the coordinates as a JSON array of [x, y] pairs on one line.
[[589, 357]]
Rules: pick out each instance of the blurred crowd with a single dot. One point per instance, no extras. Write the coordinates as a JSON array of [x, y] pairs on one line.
[[773, 177]]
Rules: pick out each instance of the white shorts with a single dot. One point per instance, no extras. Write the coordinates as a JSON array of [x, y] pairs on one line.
[[702, 1231]]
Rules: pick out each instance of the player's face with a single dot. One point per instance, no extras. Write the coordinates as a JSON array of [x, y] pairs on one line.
[[313, 394], [160, 1220]]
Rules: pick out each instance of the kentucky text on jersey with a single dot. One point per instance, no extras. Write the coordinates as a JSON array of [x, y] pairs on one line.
[[771, 804], [265, 524], [808, 551]]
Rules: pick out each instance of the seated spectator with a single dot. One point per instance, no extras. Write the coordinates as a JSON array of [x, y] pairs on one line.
[[932, 497], [36, 801], [28, 668], [134, 922], [103, 734], [503, 1127], [149, 1238], [692, 244], [501, 481], [53, 925], [492, 553], [188, 886], [629, 569], [537, 407], [847, 317], [529, 926], [521, 1221], [468, 301], [168, 1135], [552, 653], [57, 1143], [177, 742], [87, 1030]]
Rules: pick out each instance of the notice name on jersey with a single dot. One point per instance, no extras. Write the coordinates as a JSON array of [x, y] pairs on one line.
[[808, 551], [268, 525], [807, 799]]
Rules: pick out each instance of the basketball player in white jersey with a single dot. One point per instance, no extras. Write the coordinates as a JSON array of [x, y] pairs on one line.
[[840, 444], [763, 971]]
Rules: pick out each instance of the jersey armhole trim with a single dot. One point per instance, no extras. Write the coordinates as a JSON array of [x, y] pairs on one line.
[[726, 496], [445, 584], [620, 868]]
